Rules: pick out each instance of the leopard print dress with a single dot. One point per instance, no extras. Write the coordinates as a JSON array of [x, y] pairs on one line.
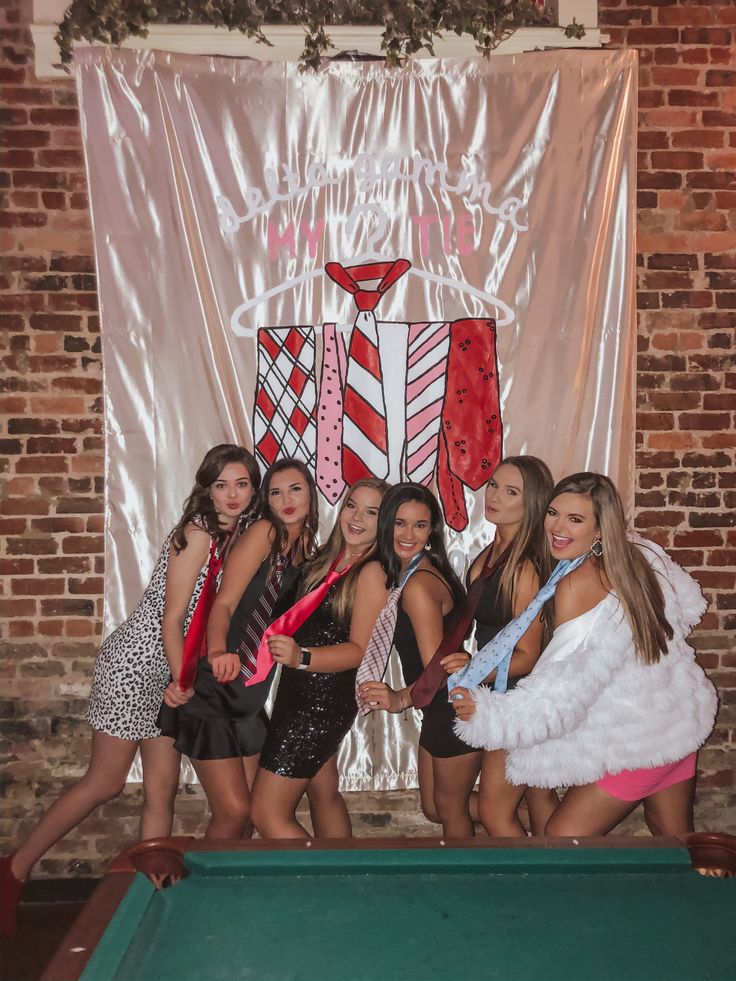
[[131, 670]]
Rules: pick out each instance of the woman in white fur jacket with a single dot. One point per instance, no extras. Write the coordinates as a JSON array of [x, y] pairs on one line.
[[616, 707]]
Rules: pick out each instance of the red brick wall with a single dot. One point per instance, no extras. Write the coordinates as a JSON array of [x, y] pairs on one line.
[[50, 397]]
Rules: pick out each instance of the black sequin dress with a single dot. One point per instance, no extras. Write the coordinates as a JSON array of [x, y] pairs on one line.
[[313, 711], [226, 721]]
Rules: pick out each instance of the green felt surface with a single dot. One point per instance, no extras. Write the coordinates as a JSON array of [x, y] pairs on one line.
[[421, 915]]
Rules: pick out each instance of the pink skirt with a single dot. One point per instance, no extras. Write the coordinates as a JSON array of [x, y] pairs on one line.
[[638, 784]]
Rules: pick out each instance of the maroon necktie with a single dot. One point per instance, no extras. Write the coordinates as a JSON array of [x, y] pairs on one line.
[[434, 675], [288, 623]]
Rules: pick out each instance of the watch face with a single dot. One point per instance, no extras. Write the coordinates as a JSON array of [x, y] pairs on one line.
[[306, 657]]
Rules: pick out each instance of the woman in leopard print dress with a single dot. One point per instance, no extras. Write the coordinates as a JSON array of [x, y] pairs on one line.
[[137, 662]]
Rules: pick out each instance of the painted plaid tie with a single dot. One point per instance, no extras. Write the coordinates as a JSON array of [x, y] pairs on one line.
[[329, 475], [375, 659], [425, 391], [260, 619], [496, 655], [286, 396]]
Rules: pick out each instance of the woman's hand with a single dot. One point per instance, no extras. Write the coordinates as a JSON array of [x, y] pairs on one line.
[[174, 696], [225, 667], [455, 662], [463, 703], [378, 695], [285, 650]]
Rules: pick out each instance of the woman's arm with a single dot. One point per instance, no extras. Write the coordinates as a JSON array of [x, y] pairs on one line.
[[246, 557], [181, 577], [370, 598], [529, 647]]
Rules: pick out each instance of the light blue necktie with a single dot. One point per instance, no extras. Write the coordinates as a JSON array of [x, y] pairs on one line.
[[497, 652]]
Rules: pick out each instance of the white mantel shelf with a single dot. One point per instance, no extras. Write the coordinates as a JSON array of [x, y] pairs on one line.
[[288, 41]]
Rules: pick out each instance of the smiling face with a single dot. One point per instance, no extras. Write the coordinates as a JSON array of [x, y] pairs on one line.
[[359, 518], [231, 493], [412, 528], [570, 525], [504, 502], [288, 497]]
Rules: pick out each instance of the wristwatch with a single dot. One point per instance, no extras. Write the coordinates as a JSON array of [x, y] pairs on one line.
[[306, 659]]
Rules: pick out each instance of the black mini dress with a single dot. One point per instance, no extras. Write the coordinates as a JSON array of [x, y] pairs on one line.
[[313, 711], [489, 616], [227, 721]]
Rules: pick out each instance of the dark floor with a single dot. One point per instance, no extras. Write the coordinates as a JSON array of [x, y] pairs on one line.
[[48, 910]]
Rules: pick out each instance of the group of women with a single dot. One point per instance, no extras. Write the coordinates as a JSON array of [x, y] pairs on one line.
[[604, 696]]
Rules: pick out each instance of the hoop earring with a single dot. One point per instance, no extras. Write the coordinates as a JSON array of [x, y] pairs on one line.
[[427, 547], [597, 548]]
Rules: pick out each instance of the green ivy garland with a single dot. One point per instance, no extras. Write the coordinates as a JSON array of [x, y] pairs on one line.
[[409, 25]]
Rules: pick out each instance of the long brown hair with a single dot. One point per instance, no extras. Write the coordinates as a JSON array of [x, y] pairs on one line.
[[528, 544], [199, 503], [308, 538], [315, 572], [631, 576]]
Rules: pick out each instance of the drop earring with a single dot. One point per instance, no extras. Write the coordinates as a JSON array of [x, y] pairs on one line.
[[597, 548]]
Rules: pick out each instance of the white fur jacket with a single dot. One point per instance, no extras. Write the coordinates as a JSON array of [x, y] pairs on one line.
[[590, 707]]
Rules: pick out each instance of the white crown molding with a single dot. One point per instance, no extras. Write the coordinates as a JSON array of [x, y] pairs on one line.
[[288, 41]]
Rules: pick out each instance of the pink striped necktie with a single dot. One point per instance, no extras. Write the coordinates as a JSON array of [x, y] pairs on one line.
[[375, 660], [364, 426], [425, 392]]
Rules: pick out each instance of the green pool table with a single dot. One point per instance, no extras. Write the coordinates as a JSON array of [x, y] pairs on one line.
[[399, 910]]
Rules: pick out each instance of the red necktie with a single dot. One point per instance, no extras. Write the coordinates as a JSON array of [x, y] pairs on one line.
[[434, 675], [288, 623], [194, 641]]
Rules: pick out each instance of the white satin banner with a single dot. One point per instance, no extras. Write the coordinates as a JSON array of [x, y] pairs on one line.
[[220, 189]]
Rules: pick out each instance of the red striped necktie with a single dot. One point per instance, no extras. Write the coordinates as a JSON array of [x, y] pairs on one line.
[[365, 431], [260, 618], [288, 623]]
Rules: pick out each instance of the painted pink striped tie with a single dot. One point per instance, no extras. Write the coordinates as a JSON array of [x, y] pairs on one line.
[[329, 414], [425, 392]]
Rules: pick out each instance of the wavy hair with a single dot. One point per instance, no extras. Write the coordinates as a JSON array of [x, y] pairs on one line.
[[529, 543], [199, 503], [436, 553], [631, 576], [308, 537], [319, 566]]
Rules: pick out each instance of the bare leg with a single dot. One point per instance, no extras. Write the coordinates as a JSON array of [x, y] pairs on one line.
[[275, 800], [425, 772], [227, 791], [499, 799], [454, 779], [588, 810], [251, 769], [670, 811], [110, 760], [541, 804], [330, 817], [161, 764]]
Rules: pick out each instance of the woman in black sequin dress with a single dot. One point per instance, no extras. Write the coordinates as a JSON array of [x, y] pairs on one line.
[[315, 703], [516, 503]]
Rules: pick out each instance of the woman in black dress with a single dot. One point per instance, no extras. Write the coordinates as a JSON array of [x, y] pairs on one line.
[[516, 503], [315, 703], [410, 525], [223, 726]]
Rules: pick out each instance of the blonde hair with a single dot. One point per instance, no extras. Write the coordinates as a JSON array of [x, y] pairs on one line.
[[528, 544], [316, 570], [631, 576]]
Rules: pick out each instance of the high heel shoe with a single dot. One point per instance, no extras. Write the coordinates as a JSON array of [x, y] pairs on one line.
[[11, 890]]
